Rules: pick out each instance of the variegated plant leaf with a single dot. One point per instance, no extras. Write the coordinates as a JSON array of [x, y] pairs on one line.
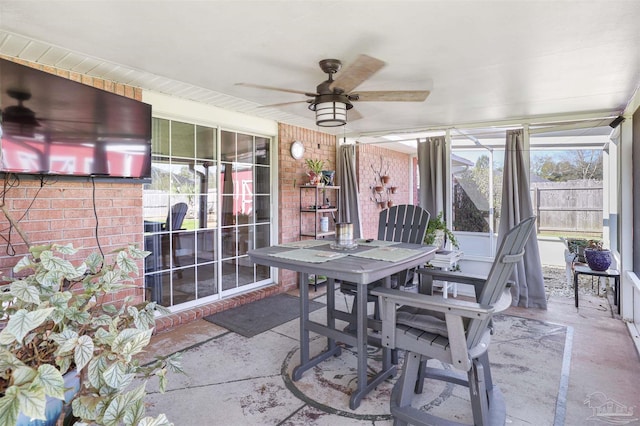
[[83, 352], [116, 376], [65, 248], [23, 321], [66, 340], [85, 407], [50, 379], [24, 263], [126, 263], [94, 262], [96, 367], [115, 412], [32, 402], [6, 338], [9, 406], [23, 374], [131, 341], [134, 413], [161, 420], [53, 263], [25, 292]]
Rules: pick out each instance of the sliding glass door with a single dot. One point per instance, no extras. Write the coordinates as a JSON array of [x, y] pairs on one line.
[[208, 203]]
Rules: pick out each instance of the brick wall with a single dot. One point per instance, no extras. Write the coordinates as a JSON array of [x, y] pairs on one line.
[[292, 174], [372, 159], [63, 212]]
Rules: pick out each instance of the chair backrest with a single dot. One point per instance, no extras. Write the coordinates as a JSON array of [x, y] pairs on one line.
[[404, 223], [510, 252], [176, 216]]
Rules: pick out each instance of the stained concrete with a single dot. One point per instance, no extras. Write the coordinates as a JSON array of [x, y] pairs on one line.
[[232, 380]]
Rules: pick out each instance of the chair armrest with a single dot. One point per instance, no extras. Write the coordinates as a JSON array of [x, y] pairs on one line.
[[477, 281], [454, 276], [461, 308]]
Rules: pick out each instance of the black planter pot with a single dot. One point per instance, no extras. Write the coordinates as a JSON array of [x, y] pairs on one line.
[[598, 260]]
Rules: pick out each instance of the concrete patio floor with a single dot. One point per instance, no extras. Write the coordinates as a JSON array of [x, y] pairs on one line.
[[603, 364]]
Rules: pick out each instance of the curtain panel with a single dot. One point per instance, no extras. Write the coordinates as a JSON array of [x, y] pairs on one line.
[[528, 291], [434, 168], [348, 203]]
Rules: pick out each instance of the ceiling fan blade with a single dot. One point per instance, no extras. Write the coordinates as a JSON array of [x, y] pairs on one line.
[[393, 96], [279, 89], [353, 115], [282, 104], [356, 73]]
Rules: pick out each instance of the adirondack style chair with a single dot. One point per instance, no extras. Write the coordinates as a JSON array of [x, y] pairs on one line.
[[455, 332], [404, 223]]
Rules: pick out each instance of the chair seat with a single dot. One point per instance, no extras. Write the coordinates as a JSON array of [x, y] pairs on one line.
[[352, 289], [422, 319]]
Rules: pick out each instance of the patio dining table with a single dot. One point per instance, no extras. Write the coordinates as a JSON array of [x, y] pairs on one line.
[[370, 261]]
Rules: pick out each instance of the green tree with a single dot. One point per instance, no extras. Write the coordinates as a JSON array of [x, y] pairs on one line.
[[583, 164]]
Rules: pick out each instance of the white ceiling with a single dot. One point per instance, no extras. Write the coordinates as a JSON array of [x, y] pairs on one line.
[[483, 61]]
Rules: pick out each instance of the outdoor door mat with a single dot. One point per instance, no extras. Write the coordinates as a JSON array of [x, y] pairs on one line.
[[262, 315]]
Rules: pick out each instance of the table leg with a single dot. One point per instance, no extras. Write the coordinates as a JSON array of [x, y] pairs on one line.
[[331, 318], [305, 361], [616, 290], [304, 316], [388, 369], [361, 347], [575, 286]]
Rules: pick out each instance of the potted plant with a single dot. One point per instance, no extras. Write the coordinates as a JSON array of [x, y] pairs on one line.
[[437, 233], [575, 249], [315, 167], [62, 319], [598, 258]]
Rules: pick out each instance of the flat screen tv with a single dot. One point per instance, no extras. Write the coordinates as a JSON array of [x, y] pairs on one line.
[[51, 125]]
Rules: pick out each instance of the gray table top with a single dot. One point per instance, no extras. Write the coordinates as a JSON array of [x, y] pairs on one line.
[[350, 268]]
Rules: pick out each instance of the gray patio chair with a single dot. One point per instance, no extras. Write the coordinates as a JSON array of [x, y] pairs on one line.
[[175, 217], [455, 332], [404, 223]]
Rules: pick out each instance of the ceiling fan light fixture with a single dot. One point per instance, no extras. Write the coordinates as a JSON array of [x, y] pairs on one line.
[[331, 109]]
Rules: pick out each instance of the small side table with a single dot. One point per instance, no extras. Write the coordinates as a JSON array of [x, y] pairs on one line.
[[609, 273], [445, 260]]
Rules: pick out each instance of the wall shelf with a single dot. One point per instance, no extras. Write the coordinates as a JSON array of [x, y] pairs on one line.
[[317, 202]]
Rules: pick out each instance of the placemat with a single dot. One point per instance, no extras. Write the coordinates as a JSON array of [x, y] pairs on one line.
[[390, 254], [308, 255], [375, 243], [305, 243]]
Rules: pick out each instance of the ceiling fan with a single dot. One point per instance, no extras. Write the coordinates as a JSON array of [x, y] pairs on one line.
[[333, 97], [20, 113], [18, 118], [21, 120]]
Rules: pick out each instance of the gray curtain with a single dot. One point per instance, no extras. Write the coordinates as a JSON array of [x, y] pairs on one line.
[[348, 204], [528, 292], [434, 168]]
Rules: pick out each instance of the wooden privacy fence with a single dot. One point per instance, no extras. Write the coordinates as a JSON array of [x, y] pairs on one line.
[[573, 207]]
